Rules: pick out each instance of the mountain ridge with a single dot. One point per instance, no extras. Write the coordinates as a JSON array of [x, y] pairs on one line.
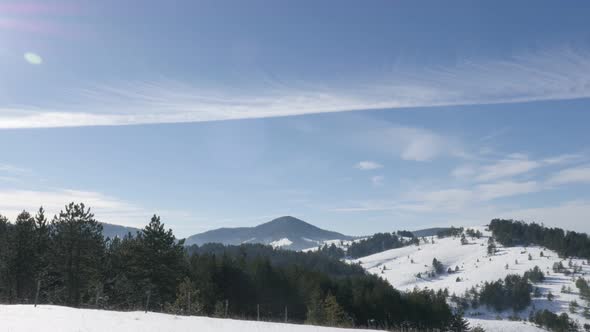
[[299, 233]]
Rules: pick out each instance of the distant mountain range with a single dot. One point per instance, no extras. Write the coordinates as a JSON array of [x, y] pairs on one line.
[[112, 231], [285, 232]]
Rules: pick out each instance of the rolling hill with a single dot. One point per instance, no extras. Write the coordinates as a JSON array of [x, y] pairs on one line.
[[285, 232], [409, 267], [112, 230]]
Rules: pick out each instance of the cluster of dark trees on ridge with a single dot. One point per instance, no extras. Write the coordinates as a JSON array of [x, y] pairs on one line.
[[509, 232], [67, 261], [566, 243]]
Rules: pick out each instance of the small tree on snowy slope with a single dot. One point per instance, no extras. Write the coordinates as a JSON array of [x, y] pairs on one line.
[[491, 246], [437, 265], [464, 240], [458, 323]]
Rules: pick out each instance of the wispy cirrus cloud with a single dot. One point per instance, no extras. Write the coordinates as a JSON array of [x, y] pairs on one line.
[[560, 73], [414, 143], [487, 183], [515, 164], [368, 165], [501, 189], [569, 215], [377, 180], [106, 208], [564, 159], [8, 168], [579, 174], [445, 200]]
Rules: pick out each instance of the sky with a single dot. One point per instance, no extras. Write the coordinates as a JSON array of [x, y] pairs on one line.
[[358, 117]]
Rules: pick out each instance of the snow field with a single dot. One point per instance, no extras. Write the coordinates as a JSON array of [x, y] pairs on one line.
[[47, 318], [403, 265]]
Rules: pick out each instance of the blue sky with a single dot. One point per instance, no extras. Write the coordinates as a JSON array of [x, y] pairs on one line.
[[357, 117]]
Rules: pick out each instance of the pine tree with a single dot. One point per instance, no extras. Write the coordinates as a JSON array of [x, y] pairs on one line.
[[316, 313], [219, 310], [161, 261], [42, 239], [464, 240], [491, 246], [6, 257], [25, 258], [335, 315], [438, 266], [187, 300], [459, 324], [77, 248], [573, 307]]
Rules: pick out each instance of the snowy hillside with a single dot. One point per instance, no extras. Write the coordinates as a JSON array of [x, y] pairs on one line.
[[409, 267], [342, 244], [26, 318], [491, 325]]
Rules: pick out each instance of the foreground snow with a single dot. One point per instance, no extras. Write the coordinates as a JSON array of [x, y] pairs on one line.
[[503, 326], [408, 267], [46, 318], [25, 318]]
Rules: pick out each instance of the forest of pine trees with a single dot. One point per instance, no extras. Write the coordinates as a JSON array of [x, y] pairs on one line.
[[510, 233], [67, 261], [447, 232], [514, 292], [378, 243]]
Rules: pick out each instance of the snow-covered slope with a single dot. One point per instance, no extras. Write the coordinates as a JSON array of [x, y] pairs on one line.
[[342, 244], [26, 318], [284, 242], [408, 267], [491, 325]]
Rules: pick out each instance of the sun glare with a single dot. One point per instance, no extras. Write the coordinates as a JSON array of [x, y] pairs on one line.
[[33, 58]]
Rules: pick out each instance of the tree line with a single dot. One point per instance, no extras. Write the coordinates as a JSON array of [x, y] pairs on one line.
[[448, 232], [377, 243], [566, 243], [67, 261]]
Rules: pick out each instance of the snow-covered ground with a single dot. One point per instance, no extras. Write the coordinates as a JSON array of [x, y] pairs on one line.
[[343, 244], [284, 242], [490, 325], [408, 267], [26, 318]]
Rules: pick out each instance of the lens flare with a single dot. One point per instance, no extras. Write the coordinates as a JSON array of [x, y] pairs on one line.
[[33, 58]]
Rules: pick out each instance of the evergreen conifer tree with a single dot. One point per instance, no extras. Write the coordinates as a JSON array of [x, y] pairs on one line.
[[77, 248]]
